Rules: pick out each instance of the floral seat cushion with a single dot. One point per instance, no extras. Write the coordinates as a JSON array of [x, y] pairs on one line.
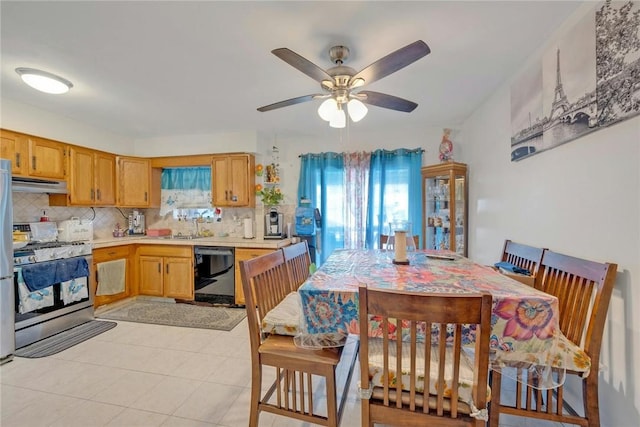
[[284, 318], [465, 379]]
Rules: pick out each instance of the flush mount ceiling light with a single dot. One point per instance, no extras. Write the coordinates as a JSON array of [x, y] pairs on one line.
[[43, 81]]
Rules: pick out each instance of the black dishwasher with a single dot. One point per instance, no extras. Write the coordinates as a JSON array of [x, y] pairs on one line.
[[214, 275]]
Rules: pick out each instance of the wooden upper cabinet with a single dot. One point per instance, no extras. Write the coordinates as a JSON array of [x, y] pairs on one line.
[[133, 182], [105, 178], [14, 147], [35, 157], [47, 159], [91, 180], [233, 180]]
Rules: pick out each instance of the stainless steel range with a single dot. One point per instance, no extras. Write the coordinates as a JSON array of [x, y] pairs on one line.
[[54, 288]]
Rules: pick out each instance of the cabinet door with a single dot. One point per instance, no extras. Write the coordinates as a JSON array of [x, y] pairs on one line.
[[13, 146], [239, 181], [151, 275], [105, 179], [134, 177], [220, 178], [243, 255], [80, 182], [47, 158], [178, 278], [101, 255]]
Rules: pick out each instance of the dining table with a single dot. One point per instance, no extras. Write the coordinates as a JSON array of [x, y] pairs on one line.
[[524, 326]]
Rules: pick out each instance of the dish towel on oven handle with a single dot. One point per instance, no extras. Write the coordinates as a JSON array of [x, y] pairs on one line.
[[44, 274], [30, 301], [74, 290]]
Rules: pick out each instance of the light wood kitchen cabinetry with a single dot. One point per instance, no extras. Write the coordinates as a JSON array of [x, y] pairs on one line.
[[233, 180], [166, 271], [34, 157], [243, 254], [114, 253], [47, 159], [133, 182], [14, 147], [91, 179]]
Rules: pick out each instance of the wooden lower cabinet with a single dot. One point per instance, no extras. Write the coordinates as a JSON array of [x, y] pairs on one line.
[[112, 254], [166, 271], [243, 254]]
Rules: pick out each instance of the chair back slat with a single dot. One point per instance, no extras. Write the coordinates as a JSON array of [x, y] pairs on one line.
[[523, 256], [583, 289], [298, 260], [265, 283], [410, 312]]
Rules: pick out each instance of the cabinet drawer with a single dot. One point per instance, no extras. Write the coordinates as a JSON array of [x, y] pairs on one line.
[[108, 254], [166, 250]]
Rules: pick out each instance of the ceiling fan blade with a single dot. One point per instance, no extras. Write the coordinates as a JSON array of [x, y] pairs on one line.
[[292, 101], [392, 63], [386, 101], [302, 64]]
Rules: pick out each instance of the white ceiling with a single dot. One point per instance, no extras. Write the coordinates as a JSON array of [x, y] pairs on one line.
[[154, 69]]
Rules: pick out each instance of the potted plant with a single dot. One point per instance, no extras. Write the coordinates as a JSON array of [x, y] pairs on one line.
[[271, 196]]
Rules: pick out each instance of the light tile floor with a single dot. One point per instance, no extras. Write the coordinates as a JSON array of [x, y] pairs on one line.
[[149, 375]]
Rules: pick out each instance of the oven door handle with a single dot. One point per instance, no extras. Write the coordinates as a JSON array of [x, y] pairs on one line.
[[215, 252]]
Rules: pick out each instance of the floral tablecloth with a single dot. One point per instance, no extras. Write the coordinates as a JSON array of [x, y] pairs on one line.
[[524, 325]]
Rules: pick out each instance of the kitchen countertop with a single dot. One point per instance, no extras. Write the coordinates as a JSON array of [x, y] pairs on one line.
[[236, 242]]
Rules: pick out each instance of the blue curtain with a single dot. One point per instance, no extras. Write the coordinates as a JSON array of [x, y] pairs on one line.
[[395, 192], [198, 178], [321, 181]]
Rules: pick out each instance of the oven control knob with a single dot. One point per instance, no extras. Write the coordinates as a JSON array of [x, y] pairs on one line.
[[32, 258]]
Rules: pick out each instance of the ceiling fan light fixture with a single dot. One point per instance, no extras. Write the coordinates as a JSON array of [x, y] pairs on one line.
[[357, 110], [338, 120], [327, 109], [44, 81]]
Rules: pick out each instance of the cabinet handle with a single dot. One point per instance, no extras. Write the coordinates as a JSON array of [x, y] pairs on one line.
[[159, 268], [98, 193], [145, 196], [92, 194], [226, 194], [167, 268], [18, 159], [33, 162]]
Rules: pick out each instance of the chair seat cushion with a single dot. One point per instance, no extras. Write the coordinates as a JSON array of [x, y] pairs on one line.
[[284, 318], [376, 366]]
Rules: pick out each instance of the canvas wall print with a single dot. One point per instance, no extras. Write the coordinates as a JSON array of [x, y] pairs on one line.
[[589, 79]]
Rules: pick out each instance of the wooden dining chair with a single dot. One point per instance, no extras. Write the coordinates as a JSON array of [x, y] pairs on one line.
[[265, 282], [297, 260], [523, 256], [583, 289], [395, 371]]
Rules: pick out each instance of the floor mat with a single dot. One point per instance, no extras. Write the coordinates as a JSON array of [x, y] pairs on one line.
[[64, 340], [172, 314]]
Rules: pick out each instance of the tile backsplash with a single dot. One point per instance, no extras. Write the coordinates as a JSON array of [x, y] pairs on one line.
[[29, 207]]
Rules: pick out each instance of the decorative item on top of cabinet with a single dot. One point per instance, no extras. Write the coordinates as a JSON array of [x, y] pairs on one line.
[[166, 271], [233, 180], [243, 254], [133, 185], [108, 255], [91, 180], [35, 157], [444, 207]]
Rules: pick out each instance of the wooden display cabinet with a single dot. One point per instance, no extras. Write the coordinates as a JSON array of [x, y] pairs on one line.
[[444, 207]]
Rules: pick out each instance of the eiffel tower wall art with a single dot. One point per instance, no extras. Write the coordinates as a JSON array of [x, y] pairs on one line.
[[588, 80]]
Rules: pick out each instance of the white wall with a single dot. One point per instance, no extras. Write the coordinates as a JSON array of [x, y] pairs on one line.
[[25, 118], [582, 199], [182, 145]]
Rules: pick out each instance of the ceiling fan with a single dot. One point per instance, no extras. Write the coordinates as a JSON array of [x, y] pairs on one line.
[[339, 83]]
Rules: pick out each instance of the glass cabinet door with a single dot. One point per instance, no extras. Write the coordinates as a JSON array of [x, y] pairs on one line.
[[445, 207]]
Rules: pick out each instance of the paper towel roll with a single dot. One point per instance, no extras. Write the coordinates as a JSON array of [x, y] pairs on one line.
[[248, 228], [400, 245]]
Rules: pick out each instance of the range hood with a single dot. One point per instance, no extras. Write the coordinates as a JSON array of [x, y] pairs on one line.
[[34, 185]]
